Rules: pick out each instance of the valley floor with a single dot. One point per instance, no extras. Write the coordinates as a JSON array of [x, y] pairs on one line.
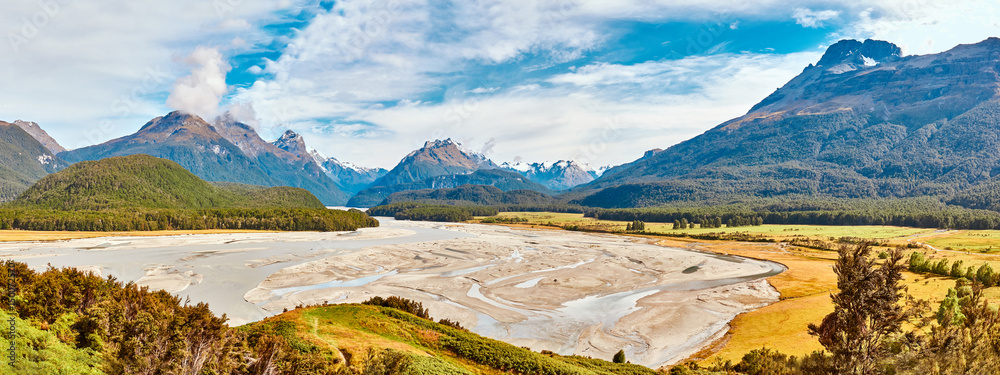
[[568, 292], [806, 286]]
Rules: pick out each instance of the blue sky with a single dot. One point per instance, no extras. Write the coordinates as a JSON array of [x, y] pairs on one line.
[[368, 81]]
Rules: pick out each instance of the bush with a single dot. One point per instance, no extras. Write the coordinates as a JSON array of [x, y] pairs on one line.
[[401, 304], [766, 361], [619, 357]]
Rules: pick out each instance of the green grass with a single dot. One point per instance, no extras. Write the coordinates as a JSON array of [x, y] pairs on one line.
[[434, 348], [774, 231], [982, 241]]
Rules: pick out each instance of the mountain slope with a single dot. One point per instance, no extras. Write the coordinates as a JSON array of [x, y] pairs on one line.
[[472, 194], [289, 167], [349, 177], [441, 164], [436, 158], [41, 136], [504, 180], [187, 140], [561, 175], [143, 181], [23, 161], [208, 152], [863, 122]]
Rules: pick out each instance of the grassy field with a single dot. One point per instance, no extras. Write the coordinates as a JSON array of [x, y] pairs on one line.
[[882, 233], [980, 241], [806, 286]]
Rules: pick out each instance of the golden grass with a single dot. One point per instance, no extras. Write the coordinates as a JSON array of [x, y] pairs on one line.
[[781, 326], [25, 235]]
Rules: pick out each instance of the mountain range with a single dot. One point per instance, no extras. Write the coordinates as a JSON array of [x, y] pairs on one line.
[[442, 164], [863, 122], [228, 151], [347, 176], [23, 159], [561, 175]]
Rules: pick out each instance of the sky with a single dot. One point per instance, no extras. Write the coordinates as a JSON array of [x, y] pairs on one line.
[[597, 81]]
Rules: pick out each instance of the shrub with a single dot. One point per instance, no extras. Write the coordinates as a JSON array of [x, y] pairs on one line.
[[619, 357]]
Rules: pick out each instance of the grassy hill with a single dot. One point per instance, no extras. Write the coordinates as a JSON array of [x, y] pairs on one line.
[[143, 181], [347, 334]]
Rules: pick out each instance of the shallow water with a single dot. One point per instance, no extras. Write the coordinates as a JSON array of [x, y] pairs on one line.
[[223, 264]]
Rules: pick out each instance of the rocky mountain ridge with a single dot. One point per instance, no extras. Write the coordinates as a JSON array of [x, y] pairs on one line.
[[863, 122], [206, 150]]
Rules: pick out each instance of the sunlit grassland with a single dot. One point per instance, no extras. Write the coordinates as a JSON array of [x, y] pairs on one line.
[[982, 241], [345, 333]]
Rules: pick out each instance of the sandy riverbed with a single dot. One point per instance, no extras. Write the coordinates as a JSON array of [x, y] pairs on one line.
[[569, 292]]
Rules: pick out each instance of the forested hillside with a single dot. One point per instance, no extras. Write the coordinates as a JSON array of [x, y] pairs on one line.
[[472, 195], [143, 181], [501, 179], [141, 192], [846, 127]]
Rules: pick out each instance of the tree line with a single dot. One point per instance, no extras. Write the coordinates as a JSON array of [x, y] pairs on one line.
[[984, 274], [917, 213], [428, 212], [279, 219]]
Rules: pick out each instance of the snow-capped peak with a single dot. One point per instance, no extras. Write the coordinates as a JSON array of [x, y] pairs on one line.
[[518, 166]]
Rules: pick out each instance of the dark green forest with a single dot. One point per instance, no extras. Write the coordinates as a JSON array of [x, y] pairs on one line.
[[272, 219], [144, 193], [429, 212], [912, 212], [485, 195]]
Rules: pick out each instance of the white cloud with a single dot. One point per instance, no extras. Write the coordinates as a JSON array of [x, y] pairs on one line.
[[125, 57], [98, 70], [813, 19], [922, 27], [345, 63], [602, 114], [200, 92]]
